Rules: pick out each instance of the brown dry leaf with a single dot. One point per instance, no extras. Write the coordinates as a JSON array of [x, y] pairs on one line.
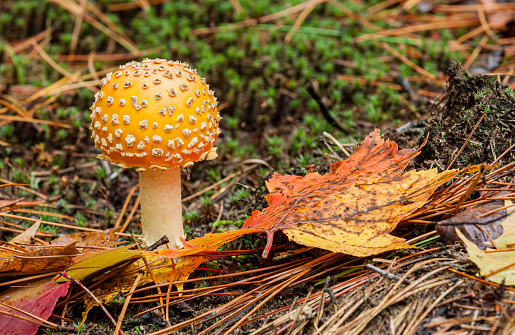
[[473, 232], [27, 236], [497, 19], [8, 250], [45, 259], [353, 208], [90, 239]]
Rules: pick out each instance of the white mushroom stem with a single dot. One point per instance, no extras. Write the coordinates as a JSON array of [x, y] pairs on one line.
[[161, 209]]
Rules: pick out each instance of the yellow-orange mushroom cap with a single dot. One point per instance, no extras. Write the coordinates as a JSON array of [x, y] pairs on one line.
[[155, 114]]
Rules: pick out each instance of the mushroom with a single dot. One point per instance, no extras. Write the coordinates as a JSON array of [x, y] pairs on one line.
[[156, 116]]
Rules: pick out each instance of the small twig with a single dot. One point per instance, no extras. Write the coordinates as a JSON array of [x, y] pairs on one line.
[[488, 235], [221, 212], [483, 223], [50, 61], [50, 223], [328, 146], [329, 290], [162, 241], [282, 287], [407, 61], [10, 203], [300, 19], [65, 309], [292, 306], [218, 183], [131, 214], [476, 52], [237, 6], [263, 19], [387, 274], [323, 108], [76, 29], [12, 184], [235, 317], [500, 250], [504, 153], [345, 10], [338, 144], [486, 282], [47, 324], [447, 24], [65, 275], [431, 307], [152, 275], [496, 210]]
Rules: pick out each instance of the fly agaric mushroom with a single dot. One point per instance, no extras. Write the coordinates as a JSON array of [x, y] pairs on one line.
[[156, 115]]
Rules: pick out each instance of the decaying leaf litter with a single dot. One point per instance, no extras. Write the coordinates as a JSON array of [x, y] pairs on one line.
[[306, 266]]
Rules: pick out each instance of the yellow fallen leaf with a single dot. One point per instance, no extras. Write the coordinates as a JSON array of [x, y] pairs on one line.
[[508, 235], [358, 221], [94, 261]]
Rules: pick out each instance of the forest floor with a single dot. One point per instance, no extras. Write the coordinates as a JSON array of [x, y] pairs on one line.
[[297, 81]]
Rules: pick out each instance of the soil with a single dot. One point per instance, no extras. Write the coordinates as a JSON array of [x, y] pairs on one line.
[[466, 99]]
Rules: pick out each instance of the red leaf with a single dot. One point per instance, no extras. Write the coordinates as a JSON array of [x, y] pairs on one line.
[[38, 298]]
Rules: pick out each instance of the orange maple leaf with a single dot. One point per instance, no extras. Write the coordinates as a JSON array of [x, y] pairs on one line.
[[352, 208]]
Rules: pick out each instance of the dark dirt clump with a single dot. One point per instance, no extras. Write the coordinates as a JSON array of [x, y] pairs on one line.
[[467, 98]]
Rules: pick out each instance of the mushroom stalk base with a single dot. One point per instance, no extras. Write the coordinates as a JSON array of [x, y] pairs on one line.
[[161, 208]]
